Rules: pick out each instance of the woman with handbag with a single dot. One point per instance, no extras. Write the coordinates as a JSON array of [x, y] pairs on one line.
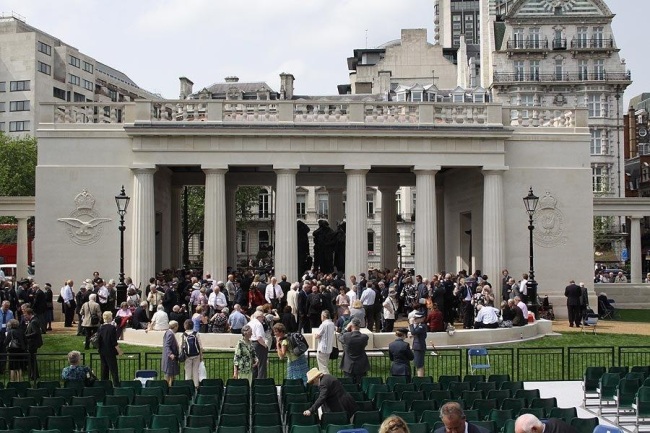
[[15, 346], [91, 314], [169, 361]]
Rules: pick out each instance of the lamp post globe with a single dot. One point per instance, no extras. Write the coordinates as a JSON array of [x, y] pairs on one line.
[[530, 202], [122, 201]]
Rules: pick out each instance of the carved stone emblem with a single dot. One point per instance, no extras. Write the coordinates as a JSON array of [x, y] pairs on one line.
[[549, 223], [566, 5], [83, 225]]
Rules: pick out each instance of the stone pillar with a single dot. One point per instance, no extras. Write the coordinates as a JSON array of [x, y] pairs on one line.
[[286, 230], [143, 244], [336, 209], [214, 232], [356, 237], [636, 270], [231, 225], [493, 228], [426, 227], [22, 255], [388, 227], [176, 244]]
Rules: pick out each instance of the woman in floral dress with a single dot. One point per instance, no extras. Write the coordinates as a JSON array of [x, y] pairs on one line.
[[245, 358]]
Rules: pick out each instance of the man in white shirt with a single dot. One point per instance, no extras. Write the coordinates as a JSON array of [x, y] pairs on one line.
[[102, 294], [325, 337], [522, 305], [273, 293], [68, 303], [352, 294], [231, 289], [292, 299], [523, 287], [217, 300], [259, 345], [487, 317], [368, 301]]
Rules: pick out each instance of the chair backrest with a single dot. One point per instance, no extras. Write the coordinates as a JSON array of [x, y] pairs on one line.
[[602, 428]]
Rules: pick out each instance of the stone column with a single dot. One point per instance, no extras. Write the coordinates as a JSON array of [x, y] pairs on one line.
[[336, 209], [143, 244], [388, 227], [635, 250], [176, 244], [22, 255], [426, 227], [231, 225], [493, 227], [214, 232], [356, 237], [286, 230]]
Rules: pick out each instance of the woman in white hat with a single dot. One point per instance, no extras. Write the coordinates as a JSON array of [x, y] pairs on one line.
[[332, 397]]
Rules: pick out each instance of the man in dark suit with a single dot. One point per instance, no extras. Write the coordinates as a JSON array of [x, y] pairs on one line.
[[453, 418], [399, 351], [529, 423], [332, 397], [354, 362], [573, 294]]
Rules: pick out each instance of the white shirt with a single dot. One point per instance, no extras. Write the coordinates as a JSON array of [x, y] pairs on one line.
[[524, 308], [160, 321], [487, 315], [258, 330], [390, 305], [102, 297], [268, 295], [292, 301], [217, 300], [325, 336], [67, 294], [523, 287], [352, 295], [368, 297]]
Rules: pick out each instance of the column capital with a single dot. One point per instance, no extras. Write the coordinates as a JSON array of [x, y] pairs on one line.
[[391, 189], [286, 167], [215, 170], [494, 169], [426, 168], [636, 217], [143, 169], [359, 168]]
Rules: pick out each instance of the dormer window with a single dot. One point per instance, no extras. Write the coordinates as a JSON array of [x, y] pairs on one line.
[[401, 96], [416, 96]]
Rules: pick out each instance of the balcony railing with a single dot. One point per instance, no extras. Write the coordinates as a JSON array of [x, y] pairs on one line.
[[593, 44], [508, 77], [528, 45], [559, 44]]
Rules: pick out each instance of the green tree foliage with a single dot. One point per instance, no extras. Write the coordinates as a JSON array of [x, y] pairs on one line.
[[245, 200], [18, 168], [195, 210]]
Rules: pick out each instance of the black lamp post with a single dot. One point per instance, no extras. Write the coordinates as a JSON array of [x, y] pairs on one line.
[[530, 201], [122, 201], [399, 249]]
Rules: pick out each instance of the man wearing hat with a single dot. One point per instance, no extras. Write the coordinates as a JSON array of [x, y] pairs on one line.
[[391, 304], [332, 397], [419, 331], [354, 362], [399, 351]]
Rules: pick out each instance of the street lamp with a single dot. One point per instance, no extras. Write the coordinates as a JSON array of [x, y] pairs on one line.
[[122, 201], [399, 249], [530, 201]]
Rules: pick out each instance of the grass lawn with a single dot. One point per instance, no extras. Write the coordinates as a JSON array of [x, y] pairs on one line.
[[634, 315]]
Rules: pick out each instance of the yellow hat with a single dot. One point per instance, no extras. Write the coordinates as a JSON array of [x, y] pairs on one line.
[[313, 374]]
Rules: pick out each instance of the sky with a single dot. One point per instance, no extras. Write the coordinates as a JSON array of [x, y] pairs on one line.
[[157, 41]]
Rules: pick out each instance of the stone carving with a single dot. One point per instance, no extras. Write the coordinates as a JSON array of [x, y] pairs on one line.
[[83, 225], [323, 247], [549, 223]]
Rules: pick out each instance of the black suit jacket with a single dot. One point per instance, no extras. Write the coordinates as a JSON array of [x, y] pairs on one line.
[[573, 293], [399, 351], [107, 340], [471, 428], [554, 425], [333, 397], [354, 360]]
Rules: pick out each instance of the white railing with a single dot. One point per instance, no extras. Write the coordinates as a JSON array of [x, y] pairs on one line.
[[338, 113]]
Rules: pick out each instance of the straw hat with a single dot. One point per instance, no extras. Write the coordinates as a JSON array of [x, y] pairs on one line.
[[313, 374]]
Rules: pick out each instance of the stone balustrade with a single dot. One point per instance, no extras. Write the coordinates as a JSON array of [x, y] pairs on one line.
[[317, 112]]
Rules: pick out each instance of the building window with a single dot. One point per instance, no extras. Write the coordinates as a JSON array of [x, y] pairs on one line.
[[2, 107], [534, 70], [263, 240], [371, 241], [88, 67], [242, 241], [74, 61], [594, 106], [597, 37], [88, 85], [600, 179], [3, 86], [112, 94], [58, 93], [18, 126], [73, 79], [413, 242], [518, 37], [370, 204], [596, 142], [44, 48], [44, 68], [263, 204], [581, 40], [19, 106], [2, 127], [519, 70], [599, 69], [559, 69], [398, 203], [323, 205], [301, 205], [78, 97], [401, 96], [534, 39], [19, 86], [416, 96], [583, 70]]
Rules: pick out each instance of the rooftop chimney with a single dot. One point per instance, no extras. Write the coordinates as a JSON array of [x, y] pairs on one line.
[[232, 79], [286, 85], [186, 87]]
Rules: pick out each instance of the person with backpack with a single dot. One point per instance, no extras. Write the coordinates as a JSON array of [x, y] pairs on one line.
[[297, 366], [191, 352]]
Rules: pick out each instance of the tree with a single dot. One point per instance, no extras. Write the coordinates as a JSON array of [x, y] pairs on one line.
[[18, 168]]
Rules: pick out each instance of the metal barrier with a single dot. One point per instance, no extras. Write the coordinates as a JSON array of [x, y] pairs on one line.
[[525, 364]]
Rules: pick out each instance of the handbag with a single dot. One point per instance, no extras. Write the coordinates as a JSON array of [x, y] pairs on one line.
[[334, 354], [182, 354], [90, 378], [59, 299], [94, 340]]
